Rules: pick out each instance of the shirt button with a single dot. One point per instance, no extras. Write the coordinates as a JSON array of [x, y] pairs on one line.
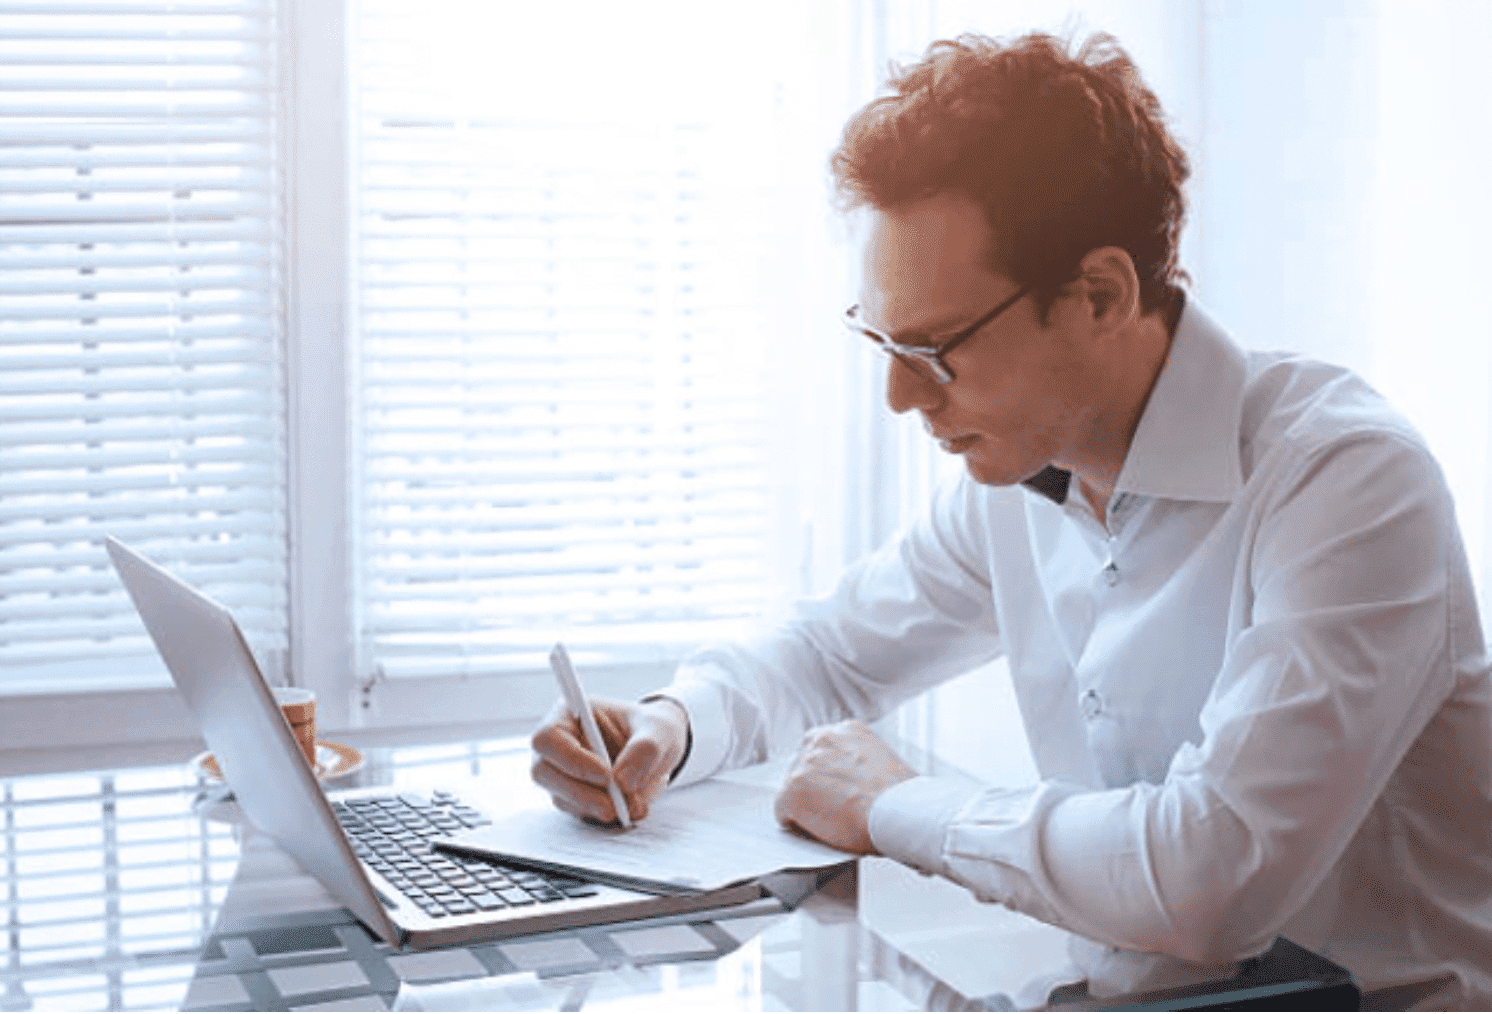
[[1111, 573], [1091, 703]]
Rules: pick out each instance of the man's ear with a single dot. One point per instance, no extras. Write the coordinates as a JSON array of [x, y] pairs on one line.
[[1111, 287]]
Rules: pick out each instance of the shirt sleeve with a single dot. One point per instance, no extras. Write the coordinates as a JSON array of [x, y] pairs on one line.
[[911, 615], [1340, 665]]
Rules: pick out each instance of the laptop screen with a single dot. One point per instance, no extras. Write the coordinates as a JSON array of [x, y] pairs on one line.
[[212, 666]]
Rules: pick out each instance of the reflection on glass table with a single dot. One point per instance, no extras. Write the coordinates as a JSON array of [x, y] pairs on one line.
[[112, 880], [281, 943], [875, 936], [118, 898], [872, 937], [819, 957]]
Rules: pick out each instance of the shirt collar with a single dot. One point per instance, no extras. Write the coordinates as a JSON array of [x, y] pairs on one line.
[[1186, 446]]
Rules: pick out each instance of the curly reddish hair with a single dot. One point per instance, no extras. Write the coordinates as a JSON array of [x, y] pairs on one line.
[[1064, 153]]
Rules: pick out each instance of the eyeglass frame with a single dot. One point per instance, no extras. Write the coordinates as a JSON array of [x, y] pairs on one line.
[[931, 357]]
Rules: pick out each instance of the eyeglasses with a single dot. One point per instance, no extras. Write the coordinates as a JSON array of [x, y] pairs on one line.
[[925, 361]]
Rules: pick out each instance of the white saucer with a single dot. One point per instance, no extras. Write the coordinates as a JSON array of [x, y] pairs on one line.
[[333, 760]]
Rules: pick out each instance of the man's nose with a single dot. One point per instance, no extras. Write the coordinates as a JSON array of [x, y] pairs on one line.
[[907, 389]]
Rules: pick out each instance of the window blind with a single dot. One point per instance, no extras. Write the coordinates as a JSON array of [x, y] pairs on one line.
[[562, 367], [139, 371]]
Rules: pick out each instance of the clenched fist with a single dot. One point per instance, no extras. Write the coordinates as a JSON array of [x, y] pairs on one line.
[[837, 775]]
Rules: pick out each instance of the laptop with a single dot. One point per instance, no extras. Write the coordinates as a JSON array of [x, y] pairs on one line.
[[372, 875]]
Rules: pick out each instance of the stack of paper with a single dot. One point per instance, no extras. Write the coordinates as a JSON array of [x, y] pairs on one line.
[[704, 837]]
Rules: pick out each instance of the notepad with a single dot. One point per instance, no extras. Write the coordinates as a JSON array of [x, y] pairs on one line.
[[707, 836]]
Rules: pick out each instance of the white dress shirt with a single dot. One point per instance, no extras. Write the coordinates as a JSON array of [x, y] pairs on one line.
[[1258, 697]]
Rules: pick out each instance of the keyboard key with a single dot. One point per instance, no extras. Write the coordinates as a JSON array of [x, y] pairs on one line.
[[389, 834]]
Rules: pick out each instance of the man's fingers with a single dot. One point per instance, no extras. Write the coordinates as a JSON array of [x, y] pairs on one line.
[[561, 743], [785, 806], [644, 741], [788, 815], [659, 733], [565, 806], [614, 726], [584, 800], [639, 802], [637, 765], [642, 774]]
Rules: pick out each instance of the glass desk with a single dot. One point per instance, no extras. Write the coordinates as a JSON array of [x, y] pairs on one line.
[[136, 890], [282, 942], [310, 955], [110, 882]]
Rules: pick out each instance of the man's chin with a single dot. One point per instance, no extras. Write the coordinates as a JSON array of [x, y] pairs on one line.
[[990, 474]]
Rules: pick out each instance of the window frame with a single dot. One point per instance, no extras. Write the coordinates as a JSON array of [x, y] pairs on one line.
[[54, 731], [316, 175]]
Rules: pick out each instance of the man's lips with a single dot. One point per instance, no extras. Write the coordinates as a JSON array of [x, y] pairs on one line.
[[957, 445], [951, 443]]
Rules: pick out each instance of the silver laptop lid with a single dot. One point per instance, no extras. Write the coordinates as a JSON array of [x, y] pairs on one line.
[[236, 712]]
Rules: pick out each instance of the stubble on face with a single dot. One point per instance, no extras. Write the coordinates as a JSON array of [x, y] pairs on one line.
[[1022, 392]]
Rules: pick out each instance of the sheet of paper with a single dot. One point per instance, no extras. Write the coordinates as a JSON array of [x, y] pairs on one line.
[[706, 836]]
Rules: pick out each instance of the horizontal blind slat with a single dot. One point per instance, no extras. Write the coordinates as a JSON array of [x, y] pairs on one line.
[[139, 247], [161, 133], [172, 506], [168, 230], [83, 30], [434, 560]]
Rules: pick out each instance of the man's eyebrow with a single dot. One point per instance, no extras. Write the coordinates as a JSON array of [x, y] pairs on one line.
[[927, 332]]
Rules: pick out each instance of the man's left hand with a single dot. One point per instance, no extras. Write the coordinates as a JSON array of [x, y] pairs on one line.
[[837, 775]]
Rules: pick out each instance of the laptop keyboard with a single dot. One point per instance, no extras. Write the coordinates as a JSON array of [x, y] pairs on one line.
[[392, 834]]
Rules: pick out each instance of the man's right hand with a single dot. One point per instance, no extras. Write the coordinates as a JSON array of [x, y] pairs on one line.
[[645, 741]]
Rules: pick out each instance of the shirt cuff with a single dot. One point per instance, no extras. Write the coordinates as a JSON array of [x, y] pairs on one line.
[[709, 730], [909, 821]]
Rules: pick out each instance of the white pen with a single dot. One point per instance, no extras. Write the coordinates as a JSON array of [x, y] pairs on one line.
[[575, 700]]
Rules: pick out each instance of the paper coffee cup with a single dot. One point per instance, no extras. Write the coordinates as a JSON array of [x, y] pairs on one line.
[[299, 706]]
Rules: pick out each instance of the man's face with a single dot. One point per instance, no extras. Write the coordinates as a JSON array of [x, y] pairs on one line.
[[1024, 395]]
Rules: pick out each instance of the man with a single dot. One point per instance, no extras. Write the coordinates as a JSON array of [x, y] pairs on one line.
[[1229, 584]]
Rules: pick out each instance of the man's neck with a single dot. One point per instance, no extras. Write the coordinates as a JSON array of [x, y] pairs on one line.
[[1133, 370]]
